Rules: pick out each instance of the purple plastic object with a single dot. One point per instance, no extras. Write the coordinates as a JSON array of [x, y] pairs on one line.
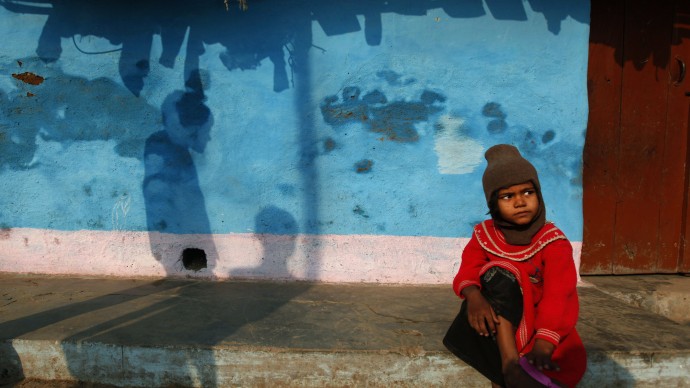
[[536, 374]]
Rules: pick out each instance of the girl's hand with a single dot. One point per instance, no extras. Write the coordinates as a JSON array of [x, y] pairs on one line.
[[479, 312], [540, 356]]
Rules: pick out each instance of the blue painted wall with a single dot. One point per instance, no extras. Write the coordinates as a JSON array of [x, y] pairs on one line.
[[317, 117]]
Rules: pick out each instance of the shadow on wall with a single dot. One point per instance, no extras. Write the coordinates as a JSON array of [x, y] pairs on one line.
[[173, 198], [270, 30], [175, 204], [278, 31], [274, 30], [263, 31], [277, 231]]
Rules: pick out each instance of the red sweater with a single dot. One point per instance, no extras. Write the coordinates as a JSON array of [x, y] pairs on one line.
[[546, 273]]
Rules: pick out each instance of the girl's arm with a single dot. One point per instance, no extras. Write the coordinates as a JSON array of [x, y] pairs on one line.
[[556, 313], [473, 259], [466, 284]]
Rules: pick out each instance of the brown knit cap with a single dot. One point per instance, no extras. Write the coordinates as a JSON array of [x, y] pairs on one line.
[[506, 167]]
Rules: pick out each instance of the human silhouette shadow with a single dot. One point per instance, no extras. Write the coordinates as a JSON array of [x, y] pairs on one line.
[[174, 201], [277, 231]]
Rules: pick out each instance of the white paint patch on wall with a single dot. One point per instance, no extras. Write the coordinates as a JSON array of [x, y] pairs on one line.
[[457, 154], [325, 258]]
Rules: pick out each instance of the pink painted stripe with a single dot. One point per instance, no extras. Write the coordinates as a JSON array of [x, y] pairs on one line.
[[326, 258]]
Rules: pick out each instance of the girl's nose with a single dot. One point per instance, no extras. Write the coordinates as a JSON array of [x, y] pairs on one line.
[[519, 201]]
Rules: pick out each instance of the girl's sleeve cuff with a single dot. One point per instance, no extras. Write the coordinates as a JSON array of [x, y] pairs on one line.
[[466, 283], [549, 335]]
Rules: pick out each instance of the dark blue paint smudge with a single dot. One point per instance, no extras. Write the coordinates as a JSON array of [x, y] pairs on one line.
[[358, 210], [493, 109], [287, 190], [498, 124]]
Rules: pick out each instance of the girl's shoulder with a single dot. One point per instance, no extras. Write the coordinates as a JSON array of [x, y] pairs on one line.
[[492, 240]]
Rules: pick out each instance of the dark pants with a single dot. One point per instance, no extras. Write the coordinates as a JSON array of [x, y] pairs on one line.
[[502, 291]]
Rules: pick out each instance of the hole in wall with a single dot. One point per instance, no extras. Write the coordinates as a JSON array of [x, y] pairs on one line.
[[193, 259]]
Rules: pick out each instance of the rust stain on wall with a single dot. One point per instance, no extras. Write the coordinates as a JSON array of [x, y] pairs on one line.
[[364, 166], [29, 78]]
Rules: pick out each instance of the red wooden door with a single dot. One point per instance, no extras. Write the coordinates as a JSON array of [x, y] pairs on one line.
[[635, 176], [679, 109]]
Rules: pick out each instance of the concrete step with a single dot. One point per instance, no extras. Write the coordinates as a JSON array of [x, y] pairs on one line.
[[667, 295], [147, 333]]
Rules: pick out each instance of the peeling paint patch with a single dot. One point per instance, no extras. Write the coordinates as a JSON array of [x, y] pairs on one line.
[[29, 78], [395, 119], [630, 251]]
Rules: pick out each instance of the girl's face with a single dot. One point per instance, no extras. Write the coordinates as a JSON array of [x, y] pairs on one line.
[[518, 204]]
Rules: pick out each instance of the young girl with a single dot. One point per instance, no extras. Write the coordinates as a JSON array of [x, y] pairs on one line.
[[517, 277]]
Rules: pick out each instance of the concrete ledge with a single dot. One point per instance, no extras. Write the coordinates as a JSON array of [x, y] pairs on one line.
[[632, 369], [223, 367], [236, 366], [145, 333], [667, 295]]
